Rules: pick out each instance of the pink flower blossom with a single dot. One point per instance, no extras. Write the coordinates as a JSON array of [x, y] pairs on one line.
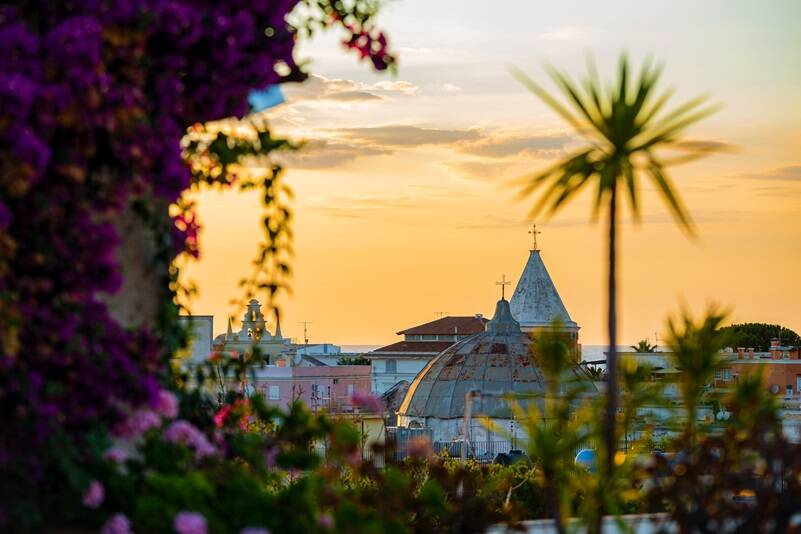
[[186, 433], [222, 413], [116, 455], [190, 523], [326, 521], [117, 524], [420, 448], [367, 402], [93, 497], [138, 423], [166, 404]]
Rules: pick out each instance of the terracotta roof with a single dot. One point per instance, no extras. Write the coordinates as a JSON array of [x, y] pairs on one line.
[[446, 326], [413, 347]]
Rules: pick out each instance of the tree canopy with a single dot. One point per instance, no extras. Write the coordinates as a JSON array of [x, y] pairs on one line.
[[758, 335], [353, 360]]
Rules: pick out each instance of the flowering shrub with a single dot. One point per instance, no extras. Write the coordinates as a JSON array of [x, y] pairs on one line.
[[95, 97]]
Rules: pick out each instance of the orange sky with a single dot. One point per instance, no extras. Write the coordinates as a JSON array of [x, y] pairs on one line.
[[403, 203]]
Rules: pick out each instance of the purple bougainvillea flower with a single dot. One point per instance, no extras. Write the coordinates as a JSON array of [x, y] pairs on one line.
[[117, 524], [325, 521], [190, 523], [166, 404], [94, 496], [368, 402], [186, 433]]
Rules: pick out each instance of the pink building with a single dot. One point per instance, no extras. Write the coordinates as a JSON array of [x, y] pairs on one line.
[[320, 387]]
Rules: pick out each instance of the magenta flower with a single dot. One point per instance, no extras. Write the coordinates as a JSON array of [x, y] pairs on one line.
[[138, 423], [326, 521], [117, 524], [190, 523], [93, 497], [166, 404], [420, 448], [116, 455], [186, 433], [368, 402]]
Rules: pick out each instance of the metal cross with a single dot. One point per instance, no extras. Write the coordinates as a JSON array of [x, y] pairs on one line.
[[533, 232], [504, 282]]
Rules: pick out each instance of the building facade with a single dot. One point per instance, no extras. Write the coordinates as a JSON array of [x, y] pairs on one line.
[[404, 359]]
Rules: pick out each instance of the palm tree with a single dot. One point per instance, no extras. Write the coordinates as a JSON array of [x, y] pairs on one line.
[[643, 346], [625, 128]]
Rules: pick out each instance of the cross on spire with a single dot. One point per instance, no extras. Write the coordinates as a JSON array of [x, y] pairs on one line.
[[533, 233], [504, 282]]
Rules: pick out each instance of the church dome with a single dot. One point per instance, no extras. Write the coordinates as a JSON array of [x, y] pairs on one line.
[[495, 362]]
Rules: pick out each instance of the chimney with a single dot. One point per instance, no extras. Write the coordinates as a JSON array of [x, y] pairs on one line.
[[774, 342], [750, 353], [740, 353]]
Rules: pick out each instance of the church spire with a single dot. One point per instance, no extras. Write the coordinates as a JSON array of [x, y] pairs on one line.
[[533, 233], [536, 302], [278, 327], [229, 334]]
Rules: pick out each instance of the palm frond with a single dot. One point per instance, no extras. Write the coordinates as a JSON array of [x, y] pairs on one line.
[[554, 104], [621, 124]]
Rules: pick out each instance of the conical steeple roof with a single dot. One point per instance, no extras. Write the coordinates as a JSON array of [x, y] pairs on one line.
[[503, 322], [536, 302]]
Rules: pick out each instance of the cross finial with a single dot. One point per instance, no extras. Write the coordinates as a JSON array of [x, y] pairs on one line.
[[503, 283], [533, 232]]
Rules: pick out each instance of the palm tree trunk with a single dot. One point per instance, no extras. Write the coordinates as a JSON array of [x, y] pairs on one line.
[[611, 360]]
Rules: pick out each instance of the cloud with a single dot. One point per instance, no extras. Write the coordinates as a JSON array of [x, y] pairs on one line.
[[489, 222], [791, 173], [544, 145], [484, 170], [323, 154], [704, 145], [408, 136], [354, 96], [567, 33], [318, 87]]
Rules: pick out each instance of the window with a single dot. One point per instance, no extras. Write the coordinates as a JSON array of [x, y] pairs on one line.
[[315, 392], [717, 374], [798, 383], [275, 393], [789, 390], [727, 373], [391, 366], [786, 355], [350, 390]]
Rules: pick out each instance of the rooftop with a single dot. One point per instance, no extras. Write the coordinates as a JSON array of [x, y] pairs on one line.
[[536, 302], [411, 348], [450, 325]]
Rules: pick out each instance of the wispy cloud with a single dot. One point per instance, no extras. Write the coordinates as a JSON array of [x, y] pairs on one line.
[[408, 136], [791, 173], [567, 33], [317, 87], [502, 146], [324, 154], [489, 171]]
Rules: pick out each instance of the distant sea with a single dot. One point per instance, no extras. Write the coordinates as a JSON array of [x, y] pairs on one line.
[[588, 352]]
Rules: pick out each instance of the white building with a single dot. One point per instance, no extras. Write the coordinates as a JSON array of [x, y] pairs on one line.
[[403, 360]]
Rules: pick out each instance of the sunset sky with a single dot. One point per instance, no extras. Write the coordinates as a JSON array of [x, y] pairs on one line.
[[404, 207]]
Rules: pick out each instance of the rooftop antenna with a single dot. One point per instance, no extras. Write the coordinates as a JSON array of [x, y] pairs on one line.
[[305, 331], [533, 233], [440, 314], [503, 283]]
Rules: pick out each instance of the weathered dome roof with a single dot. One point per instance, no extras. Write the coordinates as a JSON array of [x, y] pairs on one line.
[[494, 362]]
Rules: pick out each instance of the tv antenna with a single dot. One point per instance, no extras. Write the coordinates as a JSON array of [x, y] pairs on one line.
[[305, 331]]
